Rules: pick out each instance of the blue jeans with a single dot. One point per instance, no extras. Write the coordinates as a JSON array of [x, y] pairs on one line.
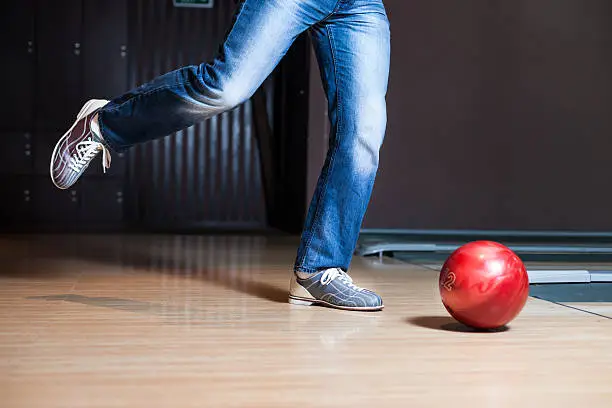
[[351, 40]]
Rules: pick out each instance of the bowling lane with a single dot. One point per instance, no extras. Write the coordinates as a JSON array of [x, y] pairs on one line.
[[601, 309], [589, 297], [592, 298], [162, 321]]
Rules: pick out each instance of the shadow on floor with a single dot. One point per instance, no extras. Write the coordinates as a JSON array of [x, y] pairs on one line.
[[445, 323], [235, 263], [168, 314], [125, 305]]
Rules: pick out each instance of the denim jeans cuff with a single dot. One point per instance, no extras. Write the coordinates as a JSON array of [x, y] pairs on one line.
[[107, 137], [305, 270]]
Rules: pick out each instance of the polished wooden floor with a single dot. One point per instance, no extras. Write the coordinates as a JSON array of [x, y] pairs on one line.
[[159, 321]]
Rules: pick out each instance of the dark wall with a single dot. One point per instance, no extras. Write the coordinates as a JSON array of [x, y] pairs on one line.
[[56, 54], [209, 175], [500, 116], [214, 174], [318, 127]]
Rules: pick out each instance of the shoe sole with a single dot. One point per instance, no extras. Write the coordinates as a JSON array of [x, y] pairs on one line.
[[294, 300], [89, 107]]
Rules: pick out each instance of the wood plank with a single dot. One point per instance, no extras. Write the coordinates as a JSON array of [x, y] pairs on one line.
[[161, 321]]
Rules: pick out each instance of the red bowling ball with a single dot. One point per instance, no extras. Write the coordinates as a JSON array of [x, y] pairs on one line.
[[484, 285]]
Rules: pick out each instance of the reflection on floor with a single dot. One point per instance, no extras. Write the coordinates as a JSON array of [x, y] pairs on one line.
[[185, 321]]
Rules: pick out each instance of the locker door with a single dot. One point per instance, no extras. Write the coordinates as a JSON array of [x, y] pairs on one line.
[[59, 72], [15, 206], [102, 201], [16, 153], [104, 48], [17, 69]]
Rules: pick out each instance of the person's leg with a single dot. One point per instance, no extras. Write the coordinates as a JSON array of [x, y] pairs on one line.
[[261, 33], [353, 49]]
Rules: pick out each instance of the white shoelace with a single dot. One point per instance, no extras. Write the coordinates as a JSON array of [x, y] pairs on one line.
[[336, 273], [85, 151]]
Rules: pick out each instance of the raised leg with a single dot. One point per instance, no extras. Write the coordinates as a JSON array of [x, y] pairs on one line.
[[261, 34]]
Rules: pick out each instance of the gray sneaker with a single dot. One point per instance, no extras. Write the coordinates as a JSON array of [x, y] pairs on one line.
[[334, 288]]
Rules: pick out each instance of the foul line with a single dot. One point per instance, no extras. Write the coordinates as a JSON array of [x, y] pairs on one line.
[[572, 307]]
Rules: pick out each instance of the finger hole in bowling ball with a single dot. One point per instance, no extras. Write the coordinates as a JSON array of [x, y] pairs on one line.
[[449, 324]]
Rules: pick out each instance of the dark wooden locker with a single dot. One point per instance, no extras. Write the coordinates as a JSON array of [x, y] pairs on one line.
[[104, 48], [17, 69], [59, 65], [44, 142], [16, 153], [15, 206], [51, 206], [102, 201]]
